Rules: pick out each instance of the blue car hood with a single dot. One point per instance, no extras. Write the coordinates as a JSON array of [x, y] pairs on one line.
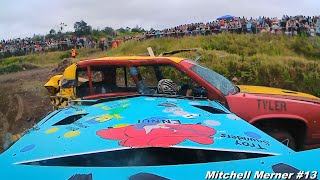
[[138, 122]]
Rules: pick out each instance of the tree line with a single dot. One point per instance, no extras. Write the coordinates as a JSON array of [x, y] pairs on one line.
[[81, 29]]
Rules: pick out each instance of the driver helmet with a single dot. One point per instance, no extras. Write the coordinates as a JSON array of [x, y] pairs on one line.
[[167, 86]]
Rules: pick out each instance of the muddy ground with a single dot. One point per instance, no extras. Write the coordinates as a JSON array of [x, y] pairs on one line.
[[23, 101]]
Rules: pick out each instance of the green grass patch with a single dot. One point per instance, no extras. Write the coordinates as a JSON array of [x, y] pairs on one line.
[[276, 61]]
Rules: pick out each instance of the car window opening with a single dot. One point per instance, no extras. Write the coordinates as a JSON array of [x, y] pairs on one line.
[[104, 80], [143, 79], [146, 157]]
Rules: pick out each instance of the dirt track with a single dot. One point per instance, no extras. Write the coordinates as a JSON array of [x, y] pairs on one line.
[[24, 101]]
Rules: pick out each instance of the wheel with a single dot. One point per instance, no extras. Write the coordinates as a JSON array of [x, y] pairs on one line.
[[284, 137]]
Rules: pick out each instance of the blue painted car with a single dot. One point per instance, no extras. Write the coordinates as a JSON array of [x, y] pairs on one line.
[[145, 137]]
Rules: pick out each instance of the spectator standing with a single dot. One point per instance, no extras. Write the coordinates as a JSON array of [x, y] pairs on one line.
[[114, 44], [102, 44], [73, 53]]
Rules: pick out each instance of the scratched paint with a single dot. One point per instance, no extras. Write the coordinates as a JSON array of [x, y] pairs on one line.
[[172, 100], [194, 103], [232, 116], [150, 99]]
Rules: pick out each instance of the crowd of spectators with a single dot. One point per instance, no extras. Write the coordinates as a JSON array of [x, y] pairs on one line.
[[288, 25], [28, 46]]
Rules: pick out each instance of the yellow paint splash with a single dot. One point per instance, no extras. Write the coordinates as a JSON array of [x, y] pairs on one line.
[[52, 130], [117, 116], [121, 125], [126, 105], [105, 108], [71, 134], [104, 118]]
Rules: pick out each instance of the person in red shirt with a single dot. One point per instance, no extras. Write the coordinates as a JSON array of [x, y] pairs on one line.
[[222, 22]]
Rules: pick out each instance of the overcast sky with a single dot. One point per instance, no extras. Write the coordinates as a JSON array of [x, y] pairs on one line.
[[21, 18]]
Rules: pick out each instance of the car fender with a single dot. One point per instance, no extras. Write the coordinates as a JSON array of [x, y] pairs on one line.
[[278, 116]]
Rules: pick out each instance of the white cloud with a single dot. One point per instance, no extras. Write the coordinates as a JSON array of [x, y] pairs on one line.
[[25, 18]]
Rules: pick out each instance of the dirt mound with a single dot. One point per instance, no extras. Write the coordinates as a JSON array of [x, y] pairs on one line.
[[65, 62], [24, 102]]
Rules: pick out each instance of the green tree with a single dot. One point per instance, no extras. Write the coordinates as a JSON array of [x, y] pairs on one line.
[[122, 30], [52, 34], [37, 37], [97, 34], [109, 31], [137, 29], [81, 28]]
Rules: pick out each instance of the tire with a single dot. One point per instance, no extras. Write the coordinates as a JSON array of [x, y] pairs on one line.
[[284, 137]]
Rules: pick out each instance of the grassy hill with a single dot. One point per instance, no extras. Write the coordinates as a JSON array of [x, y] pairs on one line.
[[278, 61]]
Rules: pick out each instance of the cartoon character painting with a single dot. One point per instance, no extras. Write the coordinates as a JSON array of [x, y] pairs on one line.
[[159, 134], [113, 112]]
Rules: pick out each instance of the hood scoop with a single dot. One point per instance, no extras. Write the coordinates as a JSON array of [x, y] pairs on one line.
[[210, 109], [70, 119]]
